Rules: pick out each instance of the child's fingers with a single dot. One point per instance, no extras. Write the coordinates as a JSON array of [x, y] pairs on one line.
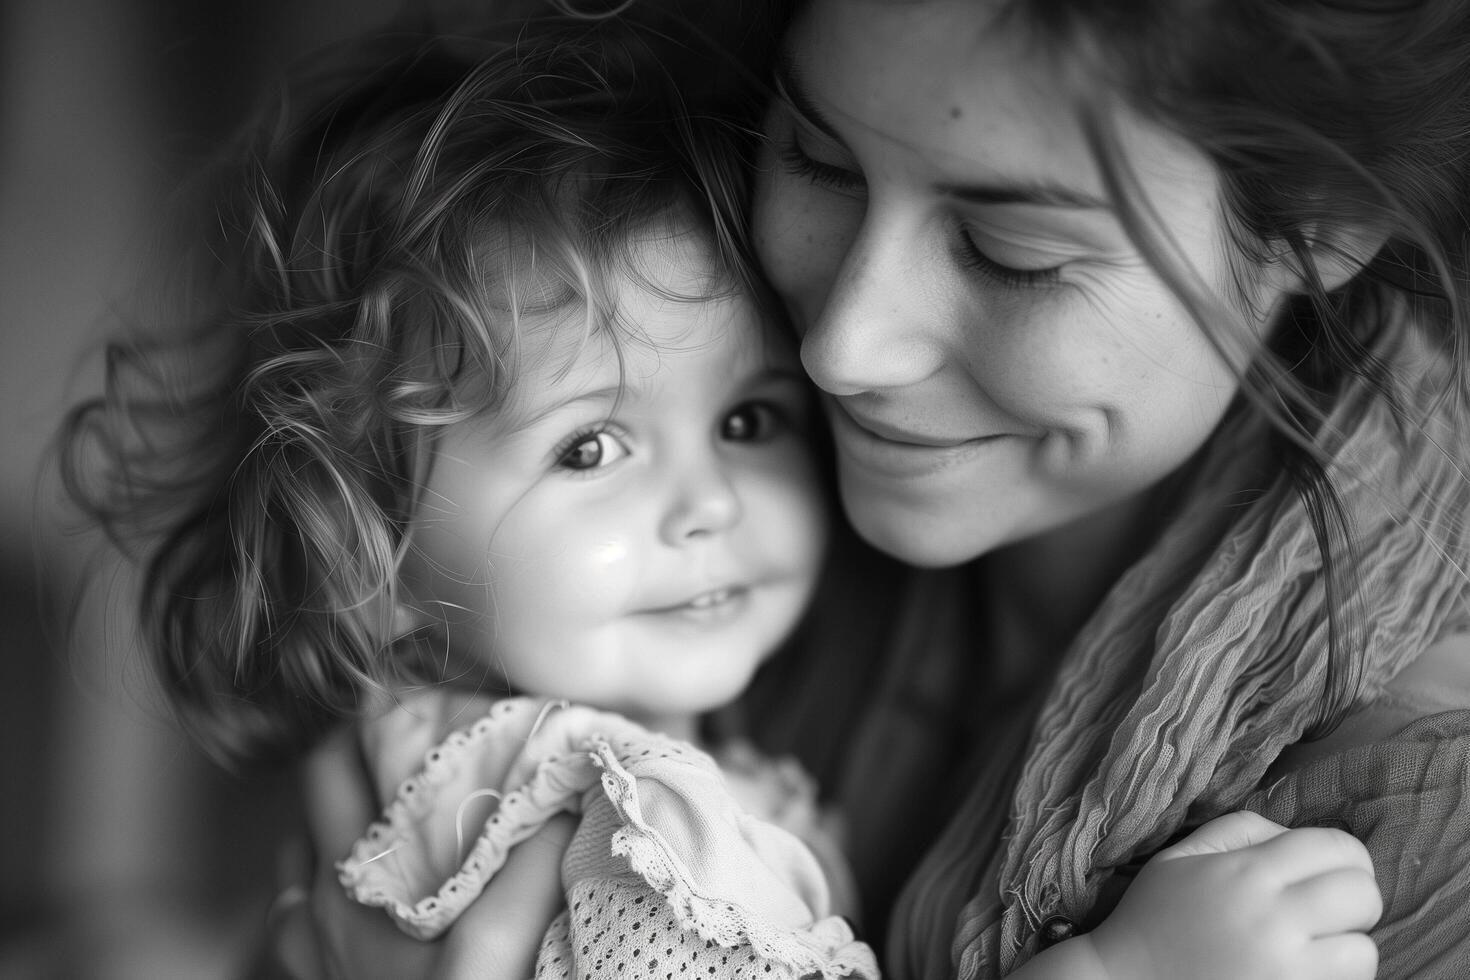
[[1349, 956], [1306, 852], [1231, 832], [1342, 900]]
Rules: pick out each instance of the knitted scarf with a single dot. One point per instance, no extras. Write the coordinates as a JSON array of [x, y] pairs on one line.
[[1171, 704]]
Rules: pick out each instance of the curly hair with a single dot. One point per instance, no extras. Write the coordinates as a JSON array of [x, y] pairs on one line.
[[360, 270]]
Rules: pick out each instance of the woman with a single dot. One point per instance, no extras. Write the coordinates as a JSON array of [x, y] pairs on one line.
[[1146, 324], [1032, 252]]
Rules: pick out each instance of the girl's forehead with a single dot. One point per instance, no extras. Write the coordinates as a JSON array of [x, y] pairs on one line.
[[551, 266], [669, 298]]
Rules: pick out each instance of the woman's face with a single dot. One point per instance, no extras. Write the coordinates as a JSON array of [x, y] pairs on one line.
[[1000, 358]]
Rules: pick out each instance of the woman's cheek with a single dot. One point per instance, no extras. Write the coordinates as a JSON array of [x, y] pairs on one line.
[[802, 237]]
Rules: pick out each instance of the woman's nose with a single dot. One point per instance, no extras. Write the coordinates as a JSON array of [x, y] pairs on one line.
[[705, 503], [879, 326]]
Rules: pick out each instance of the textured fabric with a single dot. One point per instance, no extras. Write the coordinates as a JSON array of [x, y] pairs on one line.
[[667, 871], [1408, 799], [1207, 658]]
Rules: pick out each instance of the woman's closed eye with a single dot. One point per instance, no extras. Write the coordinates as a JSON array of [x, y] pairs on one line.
[[975, 252], [590, 450], [819, 172]]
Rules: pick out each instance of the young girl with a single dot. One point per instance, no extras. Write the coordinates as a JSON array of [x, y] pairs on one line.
[[494, 408], [497, 407]]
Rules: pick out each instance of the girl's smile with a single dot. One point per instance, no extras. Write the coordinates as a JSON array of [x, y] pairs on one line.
[[714, 608]]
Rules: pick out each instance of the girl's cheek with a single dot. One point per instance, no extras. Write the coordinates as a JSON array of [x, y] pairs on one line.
[[566, 564], [607, 554], [788, 510]]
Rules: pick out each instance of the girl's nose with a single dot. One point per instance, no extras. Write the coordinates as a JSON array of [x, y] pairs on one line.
[[704, 504], [879, 325]]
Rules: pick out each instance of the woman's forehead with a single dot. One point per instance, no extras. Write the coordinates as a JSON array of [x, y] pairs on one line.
[[940, 78], [956, 91]]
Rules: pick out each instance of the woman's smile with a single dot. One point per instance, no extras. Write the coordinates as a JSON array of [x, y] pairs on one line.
[[891, 432], [900, 453]]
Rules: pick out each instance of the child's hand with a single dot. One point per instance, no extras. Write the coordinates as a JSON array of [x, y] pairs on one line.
[[1245, 897]]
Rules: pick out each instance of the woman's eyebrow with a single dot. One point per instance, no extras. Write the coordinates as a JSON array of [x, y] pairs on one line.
[[790, 89], [1050, 195]]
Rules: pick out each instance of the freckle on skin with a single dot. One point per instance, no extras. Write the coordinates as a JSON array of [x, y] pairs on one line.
[[955, 112]]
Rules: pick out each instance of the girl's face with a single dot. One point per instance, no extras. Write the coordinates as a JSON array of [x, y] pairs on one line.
[[1000, 358], [635, 536]]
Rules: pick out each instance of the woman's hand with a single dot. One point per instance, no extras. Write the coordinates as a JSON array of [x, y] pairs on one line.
[[324, 935], [1245, 897]]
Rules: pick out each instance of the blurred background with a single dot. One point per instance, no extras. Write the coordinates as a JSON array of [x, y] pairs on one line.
[[123, 854]]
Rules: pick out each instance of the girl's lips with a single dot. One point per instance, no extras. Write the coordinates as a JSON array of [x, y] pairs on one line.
[[710, 604], [713, 598], [727, 613]]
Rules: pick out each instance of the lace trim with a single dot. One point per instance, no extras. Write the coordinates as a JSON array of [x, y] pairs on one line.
[[556, 786], [723, 922]]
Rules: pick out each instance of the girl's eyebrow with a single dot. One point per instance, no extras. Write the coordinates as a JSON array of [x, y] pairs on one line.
[[790, 89], [604, 395]]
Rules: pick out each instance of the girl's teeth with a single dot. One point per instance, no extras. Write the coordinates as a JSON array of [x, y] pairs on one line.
[[710, 598]]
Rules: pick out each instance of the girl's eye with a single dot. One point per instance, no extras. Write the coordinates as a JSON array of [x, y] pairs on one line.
[[750, 422], [829, 175], [976, 258], [589, 451]]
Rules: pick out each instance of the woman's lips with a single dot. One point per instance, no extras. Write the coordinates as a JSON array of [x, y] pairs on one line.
[[877, 445], [904, 437]]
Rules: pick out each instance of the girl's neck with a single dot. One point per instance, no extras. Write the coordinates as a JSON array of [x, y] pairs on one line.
[[680, 726]]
